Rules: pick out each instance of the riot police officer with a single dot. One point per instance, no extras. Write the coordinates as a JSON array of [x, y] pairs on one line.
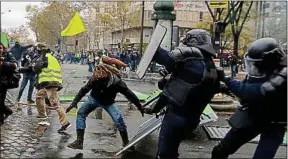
[[263, 96], [191, 86]]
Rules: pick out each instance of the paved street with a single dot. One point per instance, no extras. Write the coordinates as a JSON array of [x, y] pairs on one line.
[[21, 136]]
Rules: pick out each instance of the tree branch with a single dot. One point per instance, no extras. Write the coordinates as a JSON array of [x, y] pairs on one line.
[[231, 18], [210, 11], [239, 13], [229, 13], [241, 27]]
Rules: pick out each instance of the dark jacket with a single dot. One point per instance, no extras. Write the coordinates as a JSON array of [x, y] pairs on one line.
[[191, 72], [7, 67], [106, 95], [39, 63], [262, 108], [27, 58], [17, 51]]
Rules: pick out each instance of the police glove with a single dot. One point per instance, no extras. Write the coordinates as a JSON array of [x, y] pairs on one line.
[[72, 105], [140, 108], [163, 72], [224, 89], [149, 111], [220, 73], [162, 83]]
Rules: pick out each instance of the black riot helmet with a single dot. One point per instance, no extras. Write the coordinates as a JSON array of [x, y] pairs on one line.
[[263, 56], [200, 39]]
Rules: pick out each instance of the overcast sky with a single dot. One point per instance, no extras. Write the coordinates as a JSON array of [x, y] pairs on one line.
[[16, 17]]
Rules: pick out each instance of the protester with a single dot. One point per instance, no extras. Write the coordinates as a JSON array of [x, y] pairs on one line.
[[7, 65]]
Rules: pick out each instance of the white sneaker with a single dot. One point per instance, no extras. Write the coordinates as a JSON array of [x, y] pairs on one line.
[[44, 123]]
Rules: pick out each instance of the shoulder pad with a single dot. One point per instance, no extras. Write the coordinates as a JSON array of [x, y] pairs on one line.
[[185, 53], [283, 73], [275, 82]]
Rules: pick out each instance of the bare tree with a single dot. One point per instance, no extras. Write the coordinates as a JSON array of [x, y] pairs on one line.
[[238, 17]]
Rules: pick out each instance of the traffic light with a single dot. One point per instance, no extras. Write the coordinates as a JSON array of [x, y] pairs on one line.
[[119, 46]]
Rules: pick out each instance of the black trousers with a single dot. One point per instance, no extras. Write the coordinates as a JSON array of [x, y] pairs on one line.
[[271, 137], [174, 128], [4, 110]]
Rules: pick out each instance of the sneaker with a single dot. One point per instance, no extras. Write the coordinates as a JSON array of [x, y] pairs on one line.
[[44, 123], [30, 101], [42, 117], [64, 128]]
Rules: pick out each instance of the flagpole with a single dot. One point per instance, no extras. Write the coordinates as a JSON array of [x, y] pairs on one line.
[[76, 43]]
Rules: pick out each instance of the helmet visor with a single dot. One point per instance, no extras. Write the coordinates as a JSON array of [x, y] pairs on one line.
[[252, 67]]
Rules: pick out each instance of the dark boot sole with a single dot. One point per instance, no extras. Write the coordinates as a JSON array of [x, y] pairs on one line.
[[73, 147]]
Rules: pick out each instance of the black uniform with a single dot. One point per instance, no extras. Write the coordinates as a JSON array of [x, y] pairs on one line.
[[263, 96], [192, 85]]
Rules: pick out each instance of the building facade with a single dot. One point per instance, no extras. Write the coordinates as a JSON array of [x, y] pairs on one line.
[[273, 21], [188, 16]]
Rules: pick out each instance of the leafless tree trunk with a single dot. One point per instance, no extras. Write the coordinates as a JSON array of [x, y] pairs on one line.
[[122, 33], [236, 25]]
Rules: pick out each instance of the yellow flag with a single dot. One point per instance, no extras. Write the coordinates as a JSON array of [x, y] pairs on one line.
[[75, 26]]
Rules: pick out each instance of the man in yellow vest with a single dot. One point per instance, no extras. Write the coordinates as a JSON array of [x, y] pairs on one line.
[[49, 82]]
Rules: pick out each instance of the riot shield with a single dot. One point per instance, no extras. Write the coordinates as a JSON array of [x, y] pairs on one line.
[[156, 39]]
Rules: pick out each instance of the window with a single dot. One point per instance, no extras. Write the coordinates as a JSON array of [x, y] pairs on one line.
[[97, 9], [149, 15], [201, 16], [266, 5]]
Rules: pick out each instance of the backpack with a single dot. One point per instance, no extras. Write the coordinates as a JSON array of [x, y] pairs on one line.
[[13, 80]]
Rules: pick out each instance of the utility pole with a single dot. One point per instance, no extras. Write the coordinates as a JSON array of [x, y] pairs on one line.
[[263, 20], [142, 24]]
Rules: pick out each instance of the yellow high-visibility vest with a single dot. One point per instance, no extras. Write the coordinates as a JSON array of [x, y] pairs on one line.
[[52, 73]]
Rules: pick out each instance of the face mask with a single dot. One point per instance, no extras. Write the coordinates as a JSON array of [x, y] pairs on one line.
[[252, 67]]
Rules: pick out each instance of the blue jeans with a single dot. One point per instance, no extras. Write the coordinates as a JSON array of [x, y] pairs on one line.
[[91, 104], [26, 78], [91, 66], [233, 71], [83, 60]]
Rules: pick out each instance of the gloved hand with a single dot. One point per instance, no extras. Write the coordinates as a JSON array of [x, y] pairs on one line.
[[140, 108], [220, 73], [72, 105], [163, 72], [224, 89], [162, 83], [149, 111]]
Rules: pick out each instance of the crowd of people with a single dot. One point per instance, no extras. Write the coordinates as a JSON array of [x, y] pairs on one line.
[[193, 83], [131, 58]]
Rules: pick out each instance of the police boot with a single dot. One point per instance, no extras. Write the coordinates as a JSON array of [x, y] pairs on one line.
[[217, 154], [78, 143], [125, 140]]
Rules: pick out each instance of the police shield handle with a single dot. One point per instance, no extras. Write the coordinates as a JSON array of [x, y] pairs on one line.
[[156, 39]]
